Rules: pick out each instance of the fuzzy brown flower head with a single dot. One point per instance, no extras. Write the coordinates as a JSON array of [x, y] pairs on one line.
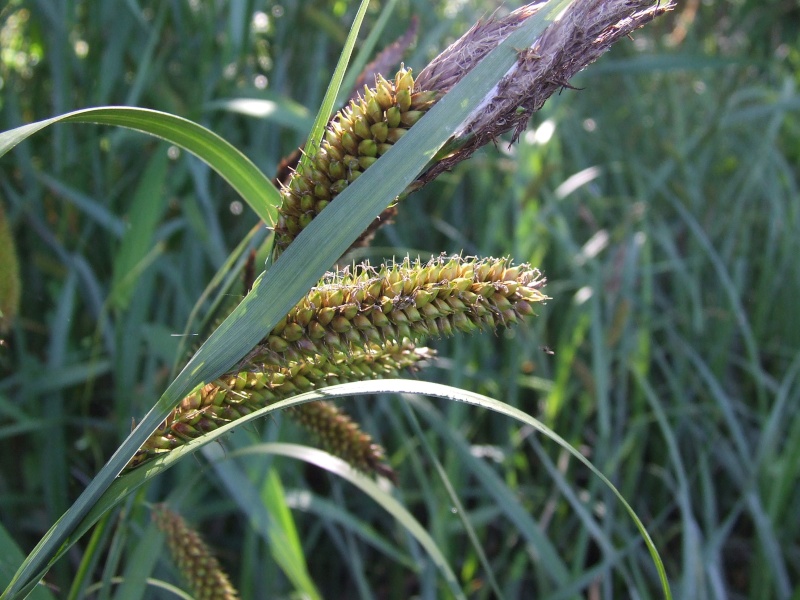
[[407, 300], [577, 37], [275, 377], [354, 140], [198, 567]]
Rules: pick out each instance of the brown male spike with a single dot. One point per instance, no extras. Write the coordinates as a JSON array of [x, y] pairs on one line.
[[197, 565]]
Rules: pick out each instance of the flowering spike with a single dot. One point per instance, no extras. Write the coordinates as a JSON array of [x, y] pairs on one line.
[[199, 568], [397, 295], [273, 376], [364, 130]]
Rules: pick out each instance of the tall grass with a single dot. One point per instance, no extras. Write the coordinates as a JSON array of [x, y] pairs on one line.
[[661, 201]]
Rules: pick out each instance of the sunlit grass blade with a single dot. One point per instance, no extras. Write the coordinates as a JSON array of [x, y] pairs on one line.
[[254, 187], [341, 469], [126, 484], [269, 516]]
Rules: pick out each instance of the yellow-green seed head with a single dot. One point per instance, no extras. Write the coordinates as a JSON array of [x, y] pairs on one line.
[[355, 138], [393, 300], [280, 375], [9, 275]]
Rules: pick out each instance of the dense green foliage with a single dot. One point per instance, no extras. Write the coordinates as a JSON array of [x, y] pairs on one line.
[[660, 200]]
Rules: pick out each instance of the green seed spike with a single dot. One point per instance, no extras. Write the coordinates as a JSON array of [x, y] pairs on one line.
[[366, 129], [407, 299], [283, 373]]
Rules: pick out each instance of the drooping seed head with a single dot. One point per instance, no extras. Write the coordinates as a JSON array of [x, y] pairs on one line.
[[281, 375], [197, 565]]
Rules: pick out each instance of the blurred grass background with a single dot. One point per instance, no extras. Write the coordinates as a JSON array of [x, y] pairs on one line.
[[660, 200]]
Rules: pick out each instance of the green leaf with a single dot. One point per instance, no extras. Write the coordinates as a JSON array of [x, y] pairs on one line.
[[146, 210], [254, 187], [339, 467], [126, 484], [10, 555], [271, 518]]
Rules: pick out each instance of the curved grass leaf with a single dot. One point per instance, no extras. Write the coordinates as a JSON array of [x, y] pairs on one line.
[[299, 267], [367, 485], [263, 505], [472, 536], [129, 482], [254, 187]]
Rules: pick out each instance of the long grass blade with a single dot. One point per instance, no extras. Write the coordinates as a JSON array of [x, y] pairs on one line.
[[368, 486], [254, 187], [126, 484]]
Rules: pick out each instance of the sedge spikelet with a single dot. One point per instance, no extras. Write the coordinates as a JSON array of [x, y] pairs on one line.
[[354, 140], [407, 300], [199, 568], [340, 435], [276, 377]]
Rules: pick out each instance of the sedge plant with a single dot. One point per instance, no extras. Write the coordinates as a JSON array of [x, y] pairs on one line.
[[298, 329]]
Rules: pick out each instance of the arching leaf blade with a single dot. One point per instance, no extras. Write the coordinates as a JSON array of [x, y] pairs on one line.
[[239, 171]]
